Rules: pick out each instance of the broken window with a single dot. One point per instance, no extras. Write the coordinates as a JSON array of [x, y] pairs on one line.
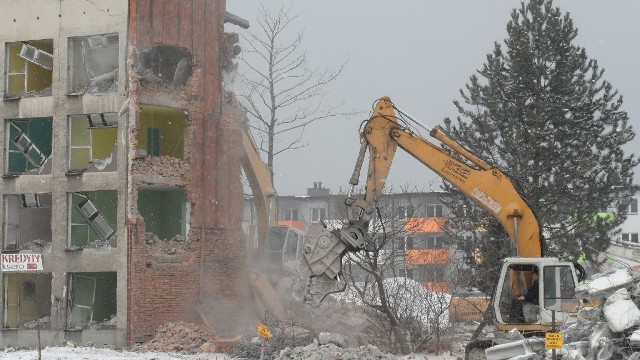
[[28, 68], [93, 64], [27, 300], [28, 145], [92, 218], [92, 300], [161, 131], [164, 64], [165, 212], [92, 141], [27, 222]]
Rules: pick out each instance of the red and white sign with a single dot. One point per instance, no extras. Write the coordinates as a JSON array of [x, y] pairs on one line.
[[21, 262]]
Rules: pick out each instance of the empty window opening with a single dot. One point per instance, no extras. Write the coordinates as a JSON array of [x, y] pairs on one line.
[[92, 142], [161, 132], [27, 222], [92, 300], [290, 214], [92, 216], [93, 64], [632, 209], [434, 210], [27, 300], [405, 212], [28, 68], [630, 237], [164, 64], [28, 145], [166, 213], [318, 214]]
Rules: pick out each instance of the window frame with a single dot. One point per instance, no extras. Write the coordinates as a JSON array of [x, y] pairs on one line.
[[434, 210], [632, 208], [290, 214], [318, 214]]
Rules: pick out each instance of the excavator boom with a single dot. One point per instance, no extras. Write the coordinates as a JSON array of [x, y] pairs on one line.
[[487, 185]]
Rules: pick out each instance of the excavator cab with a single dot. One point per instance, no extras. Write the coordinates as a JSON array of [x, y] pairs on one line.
[[283, 248], [555, 291]]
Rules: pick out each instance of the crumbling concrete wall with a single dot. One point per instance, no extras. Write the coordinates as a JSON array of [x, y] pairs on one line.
[[208, 282]]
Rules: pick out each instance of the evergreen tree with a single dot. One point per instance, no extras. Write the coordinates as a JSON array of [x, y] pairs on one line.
[[540, 110]]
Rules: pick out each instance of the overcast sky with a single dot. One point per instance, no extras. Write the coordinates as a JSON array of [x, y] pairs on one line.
[[420, 53]]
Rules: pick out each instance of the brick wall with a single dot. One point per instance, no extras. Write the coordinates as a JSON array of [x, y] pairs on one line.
[[209, 283], [161, 289]]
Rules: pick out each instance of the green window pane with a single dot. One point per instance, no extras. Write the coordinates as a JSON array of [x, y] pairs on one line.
[[79, 158], [83, 290], [104, 140], [80, 133], [15, 84], [79, 235], [153, 141], [17, 162], [80, 317]]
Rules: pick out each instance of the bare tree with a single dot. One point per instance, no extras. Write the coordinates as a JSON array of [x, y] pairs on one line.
[[281, 93], [381, 279]]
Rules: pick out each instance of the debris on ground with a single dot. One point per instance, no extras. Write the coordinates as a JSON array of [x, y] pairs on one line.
[[174, 246], [181, 337], [160, 166], [318, 351], [609, 330]]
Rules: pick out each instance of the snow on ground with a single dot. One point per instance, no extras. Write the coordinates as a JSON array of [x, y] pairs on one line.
[[88, 353]]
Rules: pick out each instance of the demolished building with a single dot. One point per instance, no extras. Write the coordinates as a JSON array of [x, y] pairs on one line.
[[121, 186]]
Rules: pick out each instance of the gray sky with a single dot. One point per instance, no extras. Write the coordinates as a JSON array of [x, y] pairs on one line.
[[420, 53]]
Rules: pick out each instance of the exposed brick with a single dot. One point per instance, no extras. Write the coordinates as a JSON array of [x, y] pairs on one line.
[[209, 282]]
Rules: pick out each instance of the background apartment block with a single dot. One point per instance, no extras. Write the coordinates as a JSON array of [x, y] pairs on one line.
[[415, 224], [121, 169]]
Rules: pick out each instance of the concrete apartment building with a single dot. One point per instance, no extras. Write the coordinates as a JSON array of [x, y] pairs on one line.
[[625, 249], [121, 193]]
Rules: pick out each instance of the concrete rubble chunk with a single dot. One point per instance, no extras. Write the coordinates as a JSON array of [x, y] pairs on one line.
[[571, 355], [329, 351], [634, 339], [605, 285], [599, 331], [605, 349], [576, 350], [507, 351], [620, 311], [330, 338]]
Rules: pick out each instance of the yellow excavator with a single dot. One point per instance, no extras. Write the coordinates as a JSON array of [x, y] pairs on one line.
[[491, 188]]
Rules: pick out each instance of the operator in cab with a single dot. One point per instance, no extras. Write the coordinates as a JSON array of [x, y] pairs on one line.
[[533, 292]]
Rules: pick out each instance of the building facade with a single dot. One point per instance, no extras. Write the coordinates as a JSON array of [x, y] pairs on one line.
[[120, 185]]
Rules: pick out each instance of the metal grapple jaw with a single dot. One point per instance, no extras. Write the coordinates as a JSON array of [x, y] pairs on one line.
[[320, 265]]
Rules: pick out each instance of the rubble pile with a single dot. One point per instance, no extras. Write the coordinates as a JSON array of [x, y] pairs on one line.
[[174, 246], [609, 330], [166, 166], [331, 346], [181, 337]]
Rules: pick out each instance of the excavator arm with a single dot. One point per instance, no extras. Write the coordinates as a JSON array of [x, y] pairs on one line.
[[260, 182], [485, 184], [381, 136]]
